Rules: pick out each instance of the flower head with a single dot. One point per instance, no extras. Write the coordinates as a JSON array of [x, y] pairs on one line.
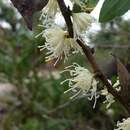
[[59, 44], [82, 81], [50, 9], [125, 125], [81, 22]]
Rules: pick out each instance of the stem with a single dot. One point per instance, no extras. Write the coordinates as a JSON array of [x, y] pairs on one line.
[[66, 12]]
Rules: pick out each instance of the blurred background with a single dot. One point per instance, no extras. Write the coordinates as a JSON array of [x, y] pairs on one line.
[[31, 97]]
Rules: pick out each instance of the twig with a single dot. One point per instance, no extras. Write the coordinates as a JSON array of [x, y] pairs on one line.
[[66, 13]]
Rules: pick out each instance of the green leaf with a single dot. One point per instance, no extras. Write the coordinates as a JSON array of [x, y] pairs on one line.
[[113, 8]]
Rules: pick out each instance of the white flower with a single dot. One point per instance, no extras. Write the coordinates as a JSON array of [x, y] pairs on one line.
[[117, 84], [82, 81], [81, 22], [50, 9], [59, 44], [125, 125], [109, 97]]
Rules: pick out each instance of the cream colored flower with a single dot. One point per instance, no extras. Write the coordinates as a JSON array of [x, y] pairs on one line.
[[50, 9], [82, 81], [81, 22], [59, 44], [117, 84], [109, 97], [125, 125]]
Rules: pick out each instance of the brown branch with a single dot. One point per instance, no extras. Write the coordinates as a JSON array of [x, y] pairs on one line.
[[87, 51], [66, 13]]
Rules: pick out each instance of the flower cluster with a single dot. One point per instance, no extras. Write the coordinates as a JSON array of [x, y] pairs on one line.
[[82, 81], [81, 22], [58, 42], [60, 45], [125, 125]]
